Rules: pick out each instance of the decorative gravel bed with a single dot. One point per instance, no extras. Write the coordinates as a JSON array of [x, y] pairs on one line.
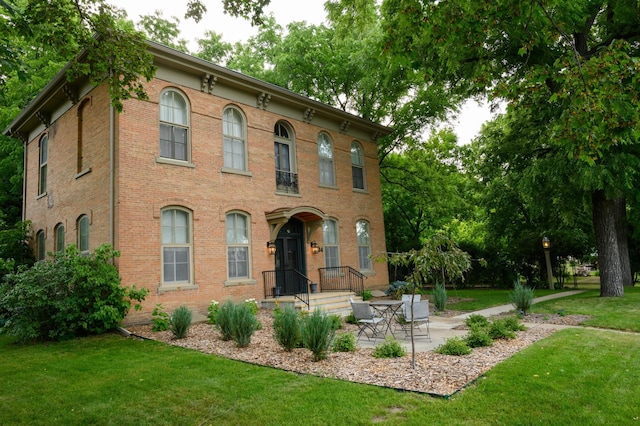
[[435, 374]]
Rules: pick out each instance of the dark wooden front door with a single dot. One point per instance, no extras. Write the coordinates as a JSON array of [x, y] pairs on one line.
[[290, 257]]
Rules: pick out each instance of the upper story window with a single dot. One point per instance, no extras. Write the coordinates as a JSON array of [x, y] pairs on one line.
[[357, 165], [40, 247], [176, 245], [42, 173], [234, 139], [59, 237], [364, 244], [238, 242], [325, 160], [331, 243], [284, 149], [174, 126], [83, 234]]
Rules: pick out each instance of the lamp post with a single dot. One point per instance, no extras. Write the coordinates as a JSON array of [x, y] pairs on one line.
[[546, 245]]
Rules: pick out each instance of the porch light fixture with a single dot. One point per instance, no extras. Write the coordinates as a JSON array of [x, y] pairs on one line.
[[271, 247], [315, 248]]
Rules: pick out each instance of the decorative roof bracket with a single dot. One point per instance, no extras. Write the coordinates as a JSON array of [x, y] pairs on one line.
[[307, 116], [207, 82], [263, 100]]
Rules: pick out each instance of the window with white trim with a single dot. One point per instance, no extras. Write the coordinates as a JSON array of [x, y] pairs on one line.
[[234, 139], [83, 234], [357, 166], [176, 245], [59, 237], [42, 172], [331, 244], [238, 243], [364, 244], [174, 126], [325, 160]]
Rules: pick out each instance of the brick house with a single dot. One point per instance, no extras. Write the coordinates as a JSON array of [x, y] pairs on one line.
[[218, 186]]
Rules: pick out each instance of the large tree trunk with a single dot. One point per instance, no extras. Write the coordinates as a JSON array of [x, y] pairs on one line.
[[623, 241], [606, 214]]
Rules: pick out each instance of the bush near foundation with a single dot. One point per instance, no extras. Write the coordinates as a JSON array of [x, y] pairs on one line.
[[66, 296]]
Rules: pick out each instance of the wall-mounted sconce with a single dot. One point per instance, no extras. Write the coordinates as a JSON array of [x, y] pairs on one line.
[[271, 247], [315, 248]]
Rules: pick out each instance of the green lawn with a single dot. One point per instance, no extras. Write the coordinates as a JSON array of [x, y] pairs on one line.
[[574, 377], [484, 298]]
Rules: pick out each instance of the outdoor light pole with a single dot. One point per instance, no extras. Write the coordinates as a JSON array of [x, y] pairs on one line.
[[546, 245]]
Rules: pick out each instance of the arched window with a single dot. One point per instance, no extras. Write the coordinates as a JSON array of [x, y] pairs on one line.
[[59, 237], [325, 160], [174, 126], [238, 242], [357, 166], [40, 247], [331, 243], [364, 244], [42, 173], [176, 245], [83, 234], [284, 149], [234, 139]]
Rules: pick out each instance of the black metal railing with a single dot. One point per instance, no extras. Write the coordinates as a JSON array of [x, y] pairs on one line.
[[286, 282], [341, 278], [286, 181]]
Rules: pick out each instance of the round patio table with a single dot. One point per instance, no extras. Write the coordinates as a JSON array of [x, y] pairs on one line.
[[388, 309]]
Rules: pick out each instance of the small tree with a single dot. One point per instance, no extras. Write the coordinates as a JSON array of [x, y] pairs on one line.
[[438, 257]]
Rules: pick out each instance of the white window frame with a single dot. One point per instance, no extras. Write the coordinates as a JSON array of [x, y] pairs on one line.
[[238, 240], [357, 166], [326, 166], [59, 236], [83, 230], [288, 140], [175, 124], [234, 135], [168, 229], [363, 236], [43, 157], [331, 243]]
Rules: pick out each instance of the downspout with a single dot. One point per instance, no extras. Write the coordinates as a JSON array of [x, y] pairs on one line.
[[24, 180], [112, 174]]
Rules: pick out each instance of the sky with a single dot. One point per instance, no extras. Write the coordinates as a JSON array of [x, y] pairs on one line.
[[466, 125]]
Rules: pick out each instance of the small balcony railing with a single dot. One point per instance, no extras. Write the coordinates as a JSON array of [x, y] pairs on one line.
[[286, 182]]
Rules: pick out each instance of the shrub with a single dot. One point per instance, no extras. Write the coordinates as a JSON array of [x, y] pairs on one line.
[[398, 288], [336, 321], [367, 295], [287, 328], [344, 342], [66, 296], [351, 319], [317, 334], [181, 322], [514, 324], [521, 297], [160, 320], [499, 329], [454, 346], [224, 319], [243, 324], [213, 311], [476, 320], [478, 337], [390, 348], [439, 297], [253, 306]]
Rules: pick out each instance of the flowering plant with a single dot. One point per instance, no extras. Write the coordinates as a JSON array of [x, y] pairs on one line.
[[253, 305], [213, 311]]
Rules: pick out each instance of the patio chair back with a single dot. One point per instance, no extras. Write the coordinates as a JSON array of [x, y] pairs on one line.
[[361, 311], [420, 311], [407, 297]]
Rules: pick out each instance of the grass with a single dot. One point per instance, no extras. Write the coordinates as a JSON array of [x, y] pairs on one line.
[[109, 379], [620, 313], [484, 298]]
